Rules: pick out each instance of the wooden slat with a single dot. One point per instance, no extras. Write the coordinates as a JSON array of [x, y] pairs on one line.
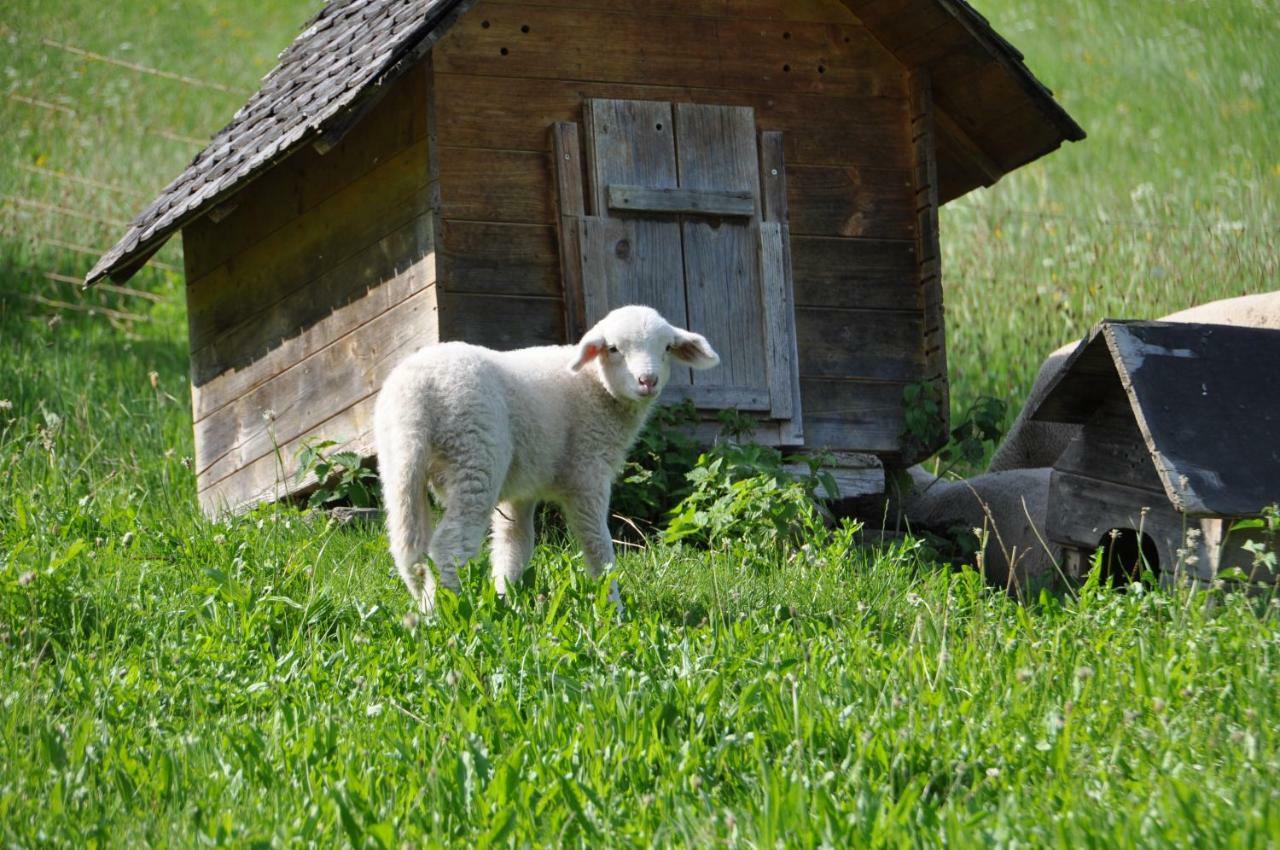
[[852, 415], [928, 253], [566, 156], [338, 302], [499, 258], [306, 179], [284, 408], [578, 44], [506, 186], [779, 335], [855, 273], [508, 113], [857, 202], [642, 199], [859, 344], [753, 399], [500, 321], [341, 226], [716, 150], [773, 202]]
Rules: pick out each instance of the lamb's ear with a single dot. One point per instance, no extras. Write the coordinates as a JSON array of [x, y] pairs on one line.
[[589, 349], [693, 349]]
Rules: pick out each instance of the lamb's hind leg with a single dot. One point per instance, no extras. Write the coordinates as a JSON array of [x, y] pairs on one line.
[[512, 543], [470, 496]]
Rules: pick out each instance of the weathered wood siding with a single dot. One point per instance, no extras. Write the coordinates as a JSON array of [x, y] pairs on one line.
[[304, 295], [508, 71]]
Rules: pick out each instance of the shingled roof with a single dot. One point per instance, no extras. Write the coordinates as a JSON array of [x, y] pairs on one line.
[[348, 51], [346, 56]]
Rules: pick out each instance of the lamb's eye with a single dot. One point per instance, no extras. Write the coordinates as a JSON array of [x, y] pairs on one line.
[[613, 349]]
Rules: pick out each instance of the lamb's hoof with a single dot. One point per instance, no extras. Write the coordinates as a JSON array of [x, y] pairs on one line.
[[616, 598]]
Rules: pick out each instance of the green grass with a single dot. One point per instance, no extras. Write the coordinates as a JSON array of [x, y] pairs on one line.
[[168, 681]]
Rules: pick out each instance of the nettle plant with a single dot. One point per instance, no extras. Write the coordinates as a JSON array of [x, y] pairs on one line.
[[343, 479], [980, 426], [742, 495], [653, 479]]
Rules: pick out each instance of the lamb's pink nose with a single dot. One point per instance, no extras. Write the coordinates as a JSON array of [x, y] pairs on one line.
[[648, 381]]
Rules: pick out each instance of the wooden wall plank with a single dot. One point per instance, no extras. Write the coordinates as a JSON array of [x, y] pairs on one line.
[[1111, 447], [349, 221], [851, 201], [819, 11], [855, 273], [852, 415], [792, 56], [928, 253], [501, 322], [364, 286], [880, 345], [499, 258], [285, 407], [819, 129], [495, 186], [306, 179], [1091, 508]]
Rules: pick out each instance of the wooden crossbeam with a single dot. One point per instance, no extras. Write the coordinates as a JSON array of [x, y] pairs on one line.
[[686, 201]]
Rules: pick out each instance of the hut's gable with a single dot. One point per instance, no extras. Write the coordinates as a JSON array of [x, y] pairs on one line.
[[851, 123]]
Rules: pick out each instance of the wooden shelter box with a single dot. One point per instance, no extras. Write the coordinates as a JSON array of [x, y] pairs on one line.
[[767, 172], [1178, 456]]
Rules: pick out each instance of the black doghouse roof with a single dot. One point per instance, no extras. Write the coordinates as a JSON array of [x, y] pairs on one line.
[[1205, 397]]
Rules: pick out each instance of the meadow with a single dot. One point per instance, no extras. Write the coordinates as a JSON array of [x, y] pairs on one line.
[[262, 682]]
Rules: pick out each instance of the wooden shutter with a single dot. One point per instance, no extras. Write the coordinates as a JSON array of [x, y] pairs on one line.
[[681, 220]]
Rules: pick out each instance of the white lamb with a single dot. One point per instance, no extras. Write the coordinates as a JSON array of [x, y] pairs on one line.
[[493, 433]]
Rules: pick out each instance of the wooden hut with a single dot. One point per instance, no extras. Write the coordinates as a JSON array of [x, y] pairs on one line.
[[1180, 443], [766, 171]]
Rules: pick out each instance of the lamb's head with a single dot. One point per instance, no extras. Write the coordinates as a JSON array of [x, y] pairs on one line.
[[631, 351]]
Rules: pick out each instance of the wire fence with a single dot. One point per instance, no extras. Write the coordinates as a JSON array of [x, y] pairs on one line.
[[43, 213]]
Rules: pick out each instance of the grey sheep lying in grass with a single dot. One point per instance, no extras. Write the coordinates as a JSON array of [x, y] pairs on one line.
[[491, 434]]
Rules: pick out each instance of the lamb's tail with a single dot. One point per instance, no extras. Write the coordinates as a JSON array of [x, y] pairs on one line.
[[402, 466]]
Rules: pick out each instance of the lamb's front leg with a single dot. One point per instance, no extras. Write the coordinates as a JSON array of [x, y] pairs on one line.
[[512, 543], [587, 515]]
